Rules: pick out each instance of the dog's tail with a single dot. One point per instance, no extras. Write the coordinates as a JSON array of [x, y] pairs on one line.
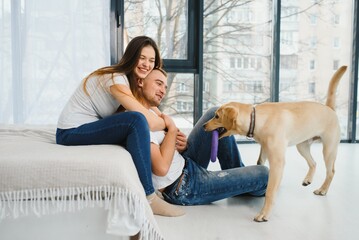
[[333, 87]]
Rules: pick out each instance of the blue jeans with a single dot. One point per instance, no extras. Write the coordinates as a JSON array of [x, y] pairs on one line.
[[128, 129], [197, 185]]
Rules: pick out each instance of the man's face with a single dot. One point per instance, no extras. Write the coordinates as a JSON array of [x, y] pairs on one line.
[[154, 88]]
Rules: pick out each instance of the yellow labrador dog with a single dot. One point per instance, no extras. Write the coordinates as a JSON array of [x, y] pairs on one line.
[[278, 125]]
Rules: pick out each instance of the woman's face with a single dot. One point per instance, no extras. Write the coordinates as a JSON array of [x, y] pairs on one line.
[[146, 62]]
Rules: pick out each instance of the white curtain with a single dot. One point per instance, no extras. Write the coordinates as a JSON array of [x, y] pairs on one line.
[[46, 48]]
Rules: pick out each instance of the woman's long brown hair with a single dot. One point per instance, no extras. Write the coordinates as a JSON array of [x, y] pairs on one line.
[[129, 61]]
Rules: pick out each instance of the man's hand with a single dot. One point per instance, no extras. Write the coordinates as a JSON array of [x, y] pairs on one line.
[[170, 124], [181, 138], [181, 142]]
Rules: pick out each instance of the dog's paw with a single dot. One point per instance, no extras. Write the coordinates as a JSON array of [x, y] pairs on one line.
[[306, 183], [320, 192], [260, 218]]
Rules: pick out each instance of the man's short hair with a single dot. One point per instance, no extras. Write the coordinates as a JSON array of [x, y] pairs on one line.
[[161, 70]]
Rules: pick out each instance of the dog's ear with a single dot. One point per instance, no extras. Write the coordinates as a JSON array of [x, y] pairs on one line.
[[229, 116]]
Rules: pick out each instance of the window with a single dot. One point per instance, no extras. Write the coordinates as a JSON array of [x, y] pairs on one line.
[[286, 86], [254, 86], [179, 100], [335, 64], [231, 60], [313, 42], [245, 62], [247, 45], [336, 19], [290, 14], [336, 42], [228, 86], [312, 64], [313, 19], [181, 88], [184, 106], [172, 25], [245, 15], [240, 63], [55, 57], [357, 119], [289, 61], [206, 86], [304, 65], [164, 21], [287, 38], [311, 88]]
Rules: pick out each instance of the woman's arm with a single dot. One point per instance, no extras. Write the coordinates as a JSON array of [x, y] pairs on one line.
[[156, 110], [162, 156], [125, 97]]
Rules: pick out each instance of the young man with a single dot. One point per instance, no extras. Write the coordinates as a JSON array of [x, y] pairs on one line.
[[179, 164]]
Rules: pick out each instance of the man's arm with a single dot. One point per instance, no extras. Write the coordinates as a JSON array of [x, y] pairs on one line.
[[162, 156]]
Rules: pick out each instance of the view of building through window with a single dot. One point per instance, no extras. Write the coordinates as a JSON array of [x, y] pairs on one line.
[[237, 45], [316, 39]]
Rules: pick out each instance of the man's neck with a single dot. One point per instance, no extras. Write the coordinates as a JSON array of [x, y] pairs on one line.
[[145, 103]]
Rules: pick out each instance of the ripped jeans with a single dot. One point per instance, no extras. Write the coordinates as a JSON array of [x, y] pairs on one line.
[[197, 185]]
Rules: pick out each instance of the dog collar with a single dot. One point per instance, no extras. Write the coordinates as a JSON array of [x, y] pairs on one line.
[[252, 123]]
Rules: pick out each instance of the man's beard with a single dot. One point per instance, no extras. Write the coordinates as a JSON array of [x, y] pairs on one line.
[[154, 103]]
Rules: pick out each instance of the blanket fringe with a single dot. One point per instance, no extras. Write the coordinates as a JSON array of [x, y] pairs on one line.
[[56, 200]]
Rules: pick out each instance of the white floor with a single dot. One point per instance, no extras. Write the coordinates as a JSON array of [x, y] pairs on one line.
[[297, 214]]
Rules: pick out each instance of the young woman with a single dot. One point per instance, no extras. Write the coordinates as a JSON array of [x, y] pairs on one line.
[[90, 115], [179, 166]]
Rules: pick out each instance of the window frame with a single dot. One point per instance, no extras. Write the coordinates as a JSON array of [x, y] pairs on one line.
[[194, 62]]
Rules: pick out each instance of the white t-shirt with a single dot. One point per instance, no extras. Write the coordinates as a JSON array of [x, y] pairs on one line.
[[176, 167], [98, 104]]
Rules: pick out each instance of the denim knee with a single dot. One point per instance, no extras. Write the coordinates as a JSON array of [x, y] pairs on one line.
[[263, 172], [212, 110], [139, 120], [209, 114]]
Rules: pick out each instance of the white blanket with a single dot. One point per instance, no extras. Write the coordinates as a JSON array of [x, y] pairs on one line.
[[37, 175]]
